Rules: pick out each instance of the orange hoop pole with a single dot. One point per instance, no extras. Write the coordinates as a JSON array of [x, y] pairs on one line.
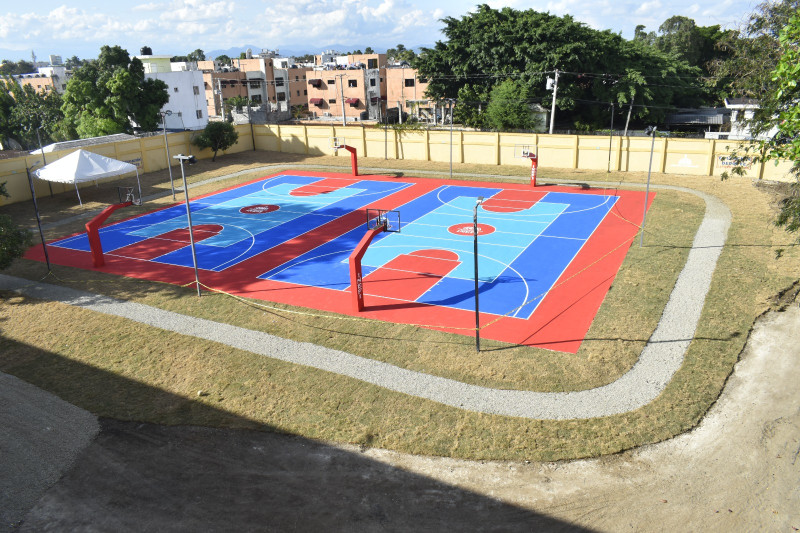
[[356, 285], [534, 167], [92, 231], [353, 160]]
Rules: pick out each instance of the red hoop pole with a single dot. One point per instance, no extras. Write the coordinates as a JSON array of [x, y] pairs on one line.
[[356, 285], [353, 160], [92, 231], [534, 166]]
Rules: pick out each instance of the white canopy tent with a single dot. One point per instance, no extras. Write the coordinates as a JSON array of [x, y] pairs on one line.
[[81, 166]]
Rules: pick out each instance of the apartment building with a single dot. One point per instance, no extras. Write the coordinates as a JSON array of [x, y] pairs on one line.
[[49, 78], [356, 94], [405, 90], [187, 99]]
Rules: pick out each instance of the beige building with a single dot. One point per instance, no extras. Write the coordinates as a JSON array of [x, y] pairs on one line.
[[406, 90], [358, 94]]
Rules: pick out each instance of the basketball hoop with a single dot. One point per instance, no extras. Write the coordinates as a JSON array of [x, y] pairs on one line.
[[525, 151]]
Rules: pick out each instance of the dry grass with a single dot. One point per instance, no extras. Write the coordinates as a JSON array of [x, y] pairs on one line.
[[123, 370]]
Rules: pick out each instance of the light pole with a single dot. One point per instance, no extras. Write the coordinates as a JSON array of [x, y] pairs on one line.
[[191, 160], [36, 210], [477, 305], [451, 101], [164, 114], [44, 161], [651, 130]]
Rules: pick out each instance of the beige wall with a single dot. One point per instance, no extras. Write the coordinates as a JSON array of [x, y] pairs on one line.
[[699, 157]]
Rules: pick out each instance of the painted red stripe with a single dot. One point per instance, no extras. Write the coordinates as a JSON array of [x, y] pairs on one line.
[[167, 242], [321, 187], [407, 277]]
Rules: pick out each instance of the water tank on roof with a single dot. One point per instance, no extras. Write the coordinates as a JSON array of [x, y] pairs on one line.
[[146, 51], [249, 54]]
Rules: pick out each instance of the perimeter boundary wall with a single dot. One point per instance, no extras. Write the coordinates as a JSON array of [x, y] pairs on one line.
[[692, 157]]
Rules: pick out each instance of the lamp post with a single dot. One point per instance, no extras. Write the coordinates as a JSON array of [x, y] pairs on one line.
[[451, 101], [164, 114], [477, 305], [36, 210], [651, 130], [44, 161], [190, 159]]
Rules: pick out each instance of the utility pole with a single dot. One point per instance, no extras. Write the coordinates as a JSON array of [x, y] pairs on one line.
[[553, 108], [341, 86], [221, 103]]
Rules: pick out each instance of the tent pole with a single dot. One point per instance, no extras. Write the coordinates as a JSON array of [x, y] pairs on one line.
[[139, 183], [78, 193]]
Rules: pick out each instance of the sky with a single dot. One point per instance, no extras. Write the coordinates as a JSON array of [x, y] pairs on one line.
[[177, 27]]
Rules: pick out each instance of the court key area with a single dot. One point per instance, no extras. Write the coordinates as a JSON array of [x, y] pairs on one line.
[[547, 255]]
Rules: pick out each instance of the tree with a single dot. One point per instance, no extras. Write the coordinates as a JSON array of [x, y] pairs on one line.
[[9, 68], [509, 107], [13, 240], [197, 55], [369, 50], [223, 59], [73, 62], [216, 136], [37, 111], [527, 46], [780, 112], [754, 50], [111, 94], [401, 53]]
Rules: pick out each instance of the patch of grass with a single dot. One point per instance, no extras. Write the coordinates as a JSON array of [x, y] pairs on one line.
[[133, 372]]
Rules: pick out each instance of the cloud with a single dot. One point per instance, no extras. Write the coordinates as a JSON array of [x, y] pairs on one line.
[[648, 7]]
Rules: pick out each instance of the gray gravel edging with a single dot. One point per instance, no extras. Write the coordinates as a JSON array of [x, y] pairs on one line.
[[658, 362]]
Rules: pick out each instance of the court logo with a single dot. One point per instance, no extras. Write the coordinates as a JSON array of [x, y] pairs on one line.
[[467, 230], [259, 209]]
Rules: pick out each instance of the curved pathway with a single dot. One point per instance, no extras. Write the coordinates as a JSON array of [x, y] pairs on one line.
[[659, 360]]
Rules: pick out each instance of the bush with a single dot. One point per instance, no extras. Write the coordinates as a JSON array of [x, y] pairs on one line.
[[13, 240], [217, 136]]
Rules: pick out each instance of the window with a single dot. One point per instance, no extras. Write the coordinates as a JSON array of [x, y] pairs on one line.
[[330, 82], [297, 78], [281, 97], [409, 82], [331, 100], [372, 63], [256, 98], [372, 82], [298, 93], [305, 92], [352, 83], [255, 84], [278, 82], [199, 113], [196, 89]]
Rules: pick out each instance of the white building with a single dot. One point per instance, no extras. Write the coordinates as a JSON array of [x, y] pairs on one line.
[[187, 99]]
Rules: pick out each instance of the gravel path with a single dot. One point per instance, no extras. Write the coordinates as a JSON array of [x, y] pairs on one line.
[[660, 359]]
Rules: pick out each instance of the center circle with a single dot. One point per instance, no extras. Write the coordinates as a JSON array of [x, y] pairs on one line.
[[467, 230], [259, 209]]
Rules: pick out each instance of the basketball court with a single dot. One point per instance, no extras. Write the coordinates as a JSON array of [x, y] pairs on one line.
[[547, 255]]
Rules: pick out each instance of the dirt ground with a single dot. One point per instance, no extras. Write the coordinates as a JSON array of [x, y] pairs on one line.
[[738, 471]]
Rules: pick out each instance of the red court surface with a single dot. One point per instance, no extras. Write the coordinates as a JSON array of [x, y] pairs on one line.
[[547, 255]]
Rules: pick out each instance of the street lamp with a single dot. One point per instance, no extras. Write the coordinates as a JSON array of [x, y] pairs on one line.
[[651, 130], [36, 210], [190, 159], [451, 101], [477, 306], [164, 114]]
